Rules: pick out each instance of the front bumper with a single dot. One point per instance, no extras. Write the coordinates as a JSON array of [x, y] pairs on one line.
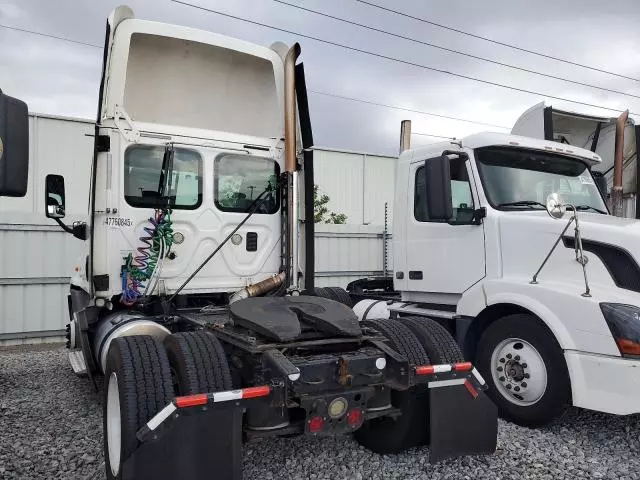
[[604, 383]]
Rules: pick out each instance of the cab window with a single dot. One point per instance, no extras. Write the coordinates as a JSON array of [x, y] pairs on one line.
[[142, 168], [461, 197], [240, 179]]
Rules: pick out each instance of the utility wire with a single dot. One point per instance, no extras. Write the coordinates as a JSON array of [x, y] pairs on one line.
[[451, 50], [496, 42], [395, 107], [369, 102], [23, 30], [394, 59], [434, 136]]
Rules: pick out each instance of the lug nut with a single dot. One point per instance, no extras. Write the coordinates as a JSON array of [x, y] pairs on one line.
[[502, 360], [524, 365], [501, 379], [508, 386], [509, 356], [524, 384], [526, 375], [517, 389], [517, 358], [500, 369]]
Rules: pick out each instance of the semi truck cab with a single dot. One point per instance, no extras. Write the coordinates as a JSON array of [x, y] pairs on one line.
[[507, 241]]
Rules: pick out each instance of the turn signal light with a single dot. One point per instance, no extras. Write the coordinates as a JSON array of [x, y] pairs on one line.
[[627, 346], [316, 424], [354, 418]]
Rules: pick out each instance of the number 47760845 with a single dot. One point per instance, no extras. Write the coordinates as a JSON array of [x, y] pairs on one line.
[[118, 222]]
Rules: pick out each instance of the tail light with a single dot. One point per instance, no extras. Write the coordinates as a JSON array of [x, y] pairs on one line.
[[354, 418], [624, 324], [316, 424]]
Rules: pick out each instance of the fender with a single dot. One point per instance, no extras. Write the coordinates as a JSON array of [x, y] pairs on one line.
[[487, 294]]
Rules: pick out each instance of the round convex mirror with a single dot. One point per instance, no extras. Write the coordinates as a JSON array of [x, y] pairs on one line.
[[555, 205]]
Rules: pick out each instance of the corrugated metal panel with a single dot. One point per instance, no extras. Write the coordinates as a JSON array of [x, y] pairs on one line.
[[379, 186], [347, 252]]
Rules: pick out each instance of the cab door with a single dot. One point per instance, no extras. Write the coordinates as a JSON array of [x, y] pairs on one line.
[[445, 257]]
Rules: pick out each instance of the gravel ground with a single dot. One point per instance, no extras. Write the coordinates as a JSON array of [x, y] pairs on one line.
[[50, 427]]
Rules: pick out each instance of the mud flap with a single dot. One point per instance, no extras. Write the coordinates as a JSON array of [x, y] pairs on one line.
[[463, 421], [191, 446]]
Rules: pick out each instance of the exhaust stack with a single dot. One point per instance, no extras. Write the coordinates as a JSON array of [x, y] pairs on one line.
[[405, 135], [290, 161], [616, 191]]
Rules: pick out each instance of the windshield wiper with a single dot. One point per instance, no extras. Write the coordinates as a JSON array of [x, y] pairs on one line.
[[522, 203], [589, 207]]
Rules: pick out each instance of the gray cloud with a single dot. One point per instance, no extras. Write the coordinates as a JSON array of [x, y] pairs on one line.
[[62, 78]]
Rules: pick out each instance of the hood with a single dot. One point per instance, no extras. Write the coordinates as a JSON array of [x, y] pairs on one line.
[[610, 244]]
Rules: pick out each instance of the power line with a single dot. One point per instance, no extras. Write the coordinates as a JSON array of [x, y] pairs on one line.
[[23, 30], [451, 50], [395, 107], [434, 136], [393, 59], [515, 47]]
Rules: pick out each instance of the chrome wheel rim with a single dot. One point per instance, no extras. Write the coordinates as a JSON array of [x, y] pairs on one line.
[[114, 433], [518, 371]]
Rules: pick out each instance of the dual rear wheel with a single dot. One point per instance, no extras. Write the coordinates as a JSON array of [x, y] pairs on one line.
[[143, 376]]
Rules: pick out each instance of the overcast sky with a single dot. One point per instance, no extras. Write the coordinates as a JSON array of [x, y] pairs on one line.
[[61, 78]]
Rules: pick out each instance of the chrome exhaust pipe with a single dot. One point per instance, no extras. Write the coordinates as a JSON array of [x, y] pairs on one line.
[[260, 288], [290, 161], [616, 191]]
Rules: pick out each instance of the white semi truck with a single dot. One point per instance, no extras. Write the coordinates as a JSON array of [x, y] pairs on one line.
[[548, 308], [195, 297]]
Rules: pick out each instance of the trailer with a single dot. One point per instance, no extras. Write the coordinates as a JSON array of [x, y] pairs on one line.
[[195, 300], [506, 243]]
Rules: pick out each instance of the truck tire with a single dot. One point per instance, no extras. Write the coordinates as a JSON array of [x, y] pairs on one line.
[[525, 369], [137, 386], [435, 339], [198, 363], [334, 293], [388, 435]]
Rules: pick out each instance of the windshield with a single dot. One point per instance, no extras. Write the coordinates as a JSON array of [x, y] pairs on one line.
[[522, 179]]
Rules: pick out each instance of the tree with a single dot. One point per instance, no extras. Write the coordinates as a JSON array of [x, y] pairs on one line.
[[321, 213]]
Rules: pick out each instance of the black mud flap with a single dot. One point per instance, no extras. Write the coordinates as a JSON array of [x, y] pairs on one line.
[[464, 421], [193, 446]]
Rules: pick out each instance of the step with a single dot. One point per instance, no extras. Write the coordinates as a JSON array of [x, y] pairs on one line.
[[76, 359]]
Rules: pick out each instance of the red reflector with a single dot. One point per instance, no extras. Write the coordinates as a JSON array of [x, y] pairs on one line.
[[192, 400], [354, 418], [253, 392], [316, 424], [425, 370], [460, 367], [628, 346], [471, 389]]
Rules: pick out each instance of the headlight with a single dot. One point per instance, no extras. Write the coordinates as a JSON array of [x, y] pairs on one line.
[[624, 323]]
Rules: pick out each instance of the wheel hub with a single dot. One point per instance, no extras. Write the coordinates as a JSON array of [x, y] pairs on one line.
[[519, 372]]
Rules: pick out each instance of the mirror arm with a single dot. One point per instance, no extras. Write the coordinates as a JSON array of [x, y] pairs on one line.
[[77, 229]]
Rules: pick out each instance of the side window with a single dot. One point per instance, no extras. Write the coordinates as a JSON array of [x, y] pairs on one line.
[[461, 198], [142, 168], [239, 181]]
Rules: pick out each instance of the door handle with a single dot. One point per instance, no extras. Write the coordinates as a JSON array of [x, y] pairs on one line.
[[415, 274]]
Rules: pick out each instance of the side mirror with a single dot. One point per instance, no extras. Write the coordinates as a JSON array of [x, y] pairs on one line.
[[14, 146], [437, 176], [601, 182], [54, 195]]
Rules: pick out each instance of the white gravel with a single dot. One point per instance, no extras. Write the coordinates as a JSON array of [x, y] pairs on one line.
[[51, 427]]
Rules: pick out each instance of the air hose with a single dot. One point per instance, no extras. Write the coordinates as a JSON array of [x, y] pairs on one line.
[[156, 244]]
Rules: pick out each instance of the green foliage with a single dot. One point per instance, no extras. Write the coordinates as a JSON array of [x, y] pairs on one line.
[[321, 213]]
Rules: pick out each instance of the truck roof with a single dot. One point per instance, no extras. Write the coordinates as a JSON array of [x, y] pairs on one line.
[[487, 139]]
